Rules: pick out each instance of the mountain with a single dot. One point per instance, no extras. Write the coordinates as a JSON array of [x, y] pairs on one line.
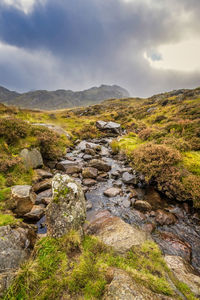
[[52, 100]]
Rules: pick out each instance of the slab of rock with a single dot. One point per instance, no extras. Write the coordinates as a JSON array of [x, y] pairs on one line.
[[165, 218], [65, 164], [100, 165], [114, 232], [129, 178], [142, 205], [109, 126], [31, 158], [83, 145], [67, 210], [42, 185], [112, 192], [15, 247], [87, 157], [123, 287], [89, 172], [55, 128], [43, 174], [117, 183], [73, 170], [36, 213], [184, 272], [22, 199], [89, 182]]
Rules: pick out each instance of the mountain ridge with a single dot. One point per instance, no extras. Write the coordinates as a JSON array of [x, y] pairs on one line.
[[59, 99]]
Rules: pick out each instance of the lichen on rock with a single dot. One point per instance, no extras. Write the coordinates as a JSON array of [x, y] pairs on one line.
[[67, 210]]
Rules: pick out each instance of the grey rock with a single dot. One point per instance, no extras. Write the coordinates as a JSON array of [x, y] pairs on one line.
[[66, 164], [89, 182], [67, 210], [43, 174], [87, 157], [129, 178], [126, 203], [43, 195], [42, 185], [31, 158], [88, 205], [117, 183], [109, 126]]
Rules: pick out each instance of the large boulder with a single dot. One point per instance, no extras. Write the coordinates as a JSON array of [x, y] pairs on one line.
[[109, 126], [67, 210], [184, 272], [114, 232], [22, 199], [31, 158], [15, 247], [100, 165]]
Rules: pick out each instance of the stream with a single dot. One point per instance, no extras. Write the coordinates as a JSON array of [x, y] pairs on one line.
[[174, 226]]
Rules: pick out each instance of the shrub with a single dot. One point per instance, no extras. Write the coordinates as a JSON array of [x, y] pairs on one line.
[[12, 129], [8, 162], [145, 134], [150, 159], [52, 146]]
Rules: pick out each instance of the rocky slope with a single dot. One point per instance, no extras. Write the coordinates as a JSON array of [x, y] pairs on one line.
[[50, 100], [136, 243]]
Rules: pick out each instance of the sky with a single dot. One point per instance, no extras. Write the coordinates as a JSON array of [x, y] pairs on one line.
[[145, 46]]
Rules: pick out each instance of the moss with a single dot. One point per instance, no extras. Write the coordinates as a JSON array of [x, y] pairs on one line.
[[7, 220], [191, 161], [129, 143]]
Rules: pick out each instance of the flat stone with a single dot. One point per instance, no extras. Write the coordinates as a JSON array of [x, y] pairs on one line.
[[73, 170], [112, 192], [87, 157], [142, 205], [89, 182], [36, 213], [43, 174], [65, 164], [42, 185], [89, 172], [114, 232], [100, 165]]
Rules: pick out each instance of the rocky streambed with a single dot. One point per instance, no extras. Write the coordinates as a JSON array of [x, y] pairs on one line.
[[109, 183]]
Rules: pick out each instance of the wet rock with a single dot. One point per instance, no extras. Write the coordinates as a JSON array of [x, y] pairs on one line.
[[22, 199], [46, 201], [104, 151], [90, 152], [165, 218], [89, 182], [184, 272], [31, 158], [42, 185], [15, 247], [109, 126], [114, 232], [129, 178], [65, 164], [142, 205], [112, 192], [115, 174], [67, 210], [171, 244], [177, 211], [99, 165], [51, 164], [123, 287], [43, 195], [83, 145], [89, 172], [36, 213]]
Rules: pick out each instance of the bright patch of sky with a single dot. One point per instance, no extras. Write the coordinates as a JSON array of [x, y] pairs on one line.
[[25, 5], [182, 56]]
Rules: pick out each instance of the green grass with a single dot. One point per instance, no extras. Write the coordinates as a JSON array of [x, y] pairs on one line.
[[126, 143]]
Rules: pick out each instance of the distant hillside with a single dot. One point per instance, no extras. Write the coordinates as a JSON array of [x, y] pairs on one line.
[[51, 100]]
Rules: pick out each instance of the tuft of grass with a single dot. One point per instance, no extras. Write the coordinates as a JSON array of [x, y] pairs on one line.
[[191, 160]]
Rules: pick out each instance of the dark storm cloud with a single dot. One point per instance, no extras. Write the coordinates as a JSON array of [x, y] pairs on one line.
[[92, 42]]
